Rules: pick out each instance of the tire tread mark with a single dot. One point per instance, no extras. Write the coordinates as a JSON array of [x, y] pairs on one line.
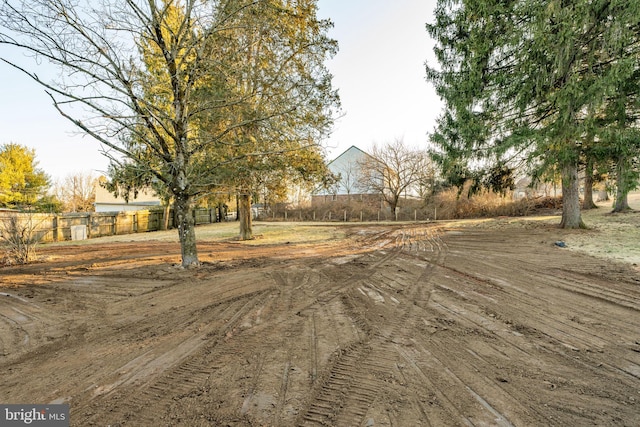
[[341, 397], [187, 376]]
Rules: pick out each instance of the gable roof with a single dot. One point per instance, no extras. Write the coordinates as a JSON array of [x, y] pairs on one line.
[[351, 153], [347, 165]]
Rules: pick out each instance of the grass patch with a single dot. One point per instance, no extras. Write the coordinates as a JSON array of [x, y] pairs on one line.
[[279, 233], [265, 232]]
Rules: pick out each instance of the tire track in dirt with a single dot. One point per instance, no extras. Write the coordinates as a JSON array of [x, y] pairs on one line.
[[590, 364], [272, 370], [555, 325], [573, 335], [287, 282], [351, 385], [320, 308], [542, 298], [343, 394], [160, 378], [25, 323], [14, 324], [576, 279], [467, 379], [545, 327], [443, 406], [575, 282], [344, 391]]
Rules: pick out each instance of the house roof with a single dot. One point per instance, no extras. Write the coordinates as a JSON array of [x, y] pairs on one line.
[[351, 152], [347, 166]]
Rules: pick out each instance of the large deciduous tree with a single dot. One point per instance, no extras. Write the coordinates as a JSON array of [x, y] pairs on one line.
[[392, 170], [528, 79], [77, 191], [156, 82]]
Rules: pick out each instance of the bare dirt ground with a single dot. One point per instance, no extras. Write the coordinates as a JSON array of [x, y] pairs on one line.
[[475, 323]]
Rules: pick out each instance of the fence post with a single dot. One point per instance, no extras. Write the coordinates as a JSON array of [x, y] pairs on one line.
[[360, 216], [345, 216], [54, 224]]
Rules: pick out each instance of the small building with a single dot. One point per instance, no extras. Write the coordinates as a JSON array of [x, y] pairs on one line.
[[524, 189], [107, 202]]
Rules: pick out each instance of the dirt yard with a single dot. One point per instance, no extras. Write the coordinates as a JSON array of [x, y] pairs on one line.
[[475, 323]]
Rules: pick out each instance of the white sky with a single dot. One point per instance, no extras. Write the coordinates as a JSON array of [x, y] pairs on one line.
[[379, 72]]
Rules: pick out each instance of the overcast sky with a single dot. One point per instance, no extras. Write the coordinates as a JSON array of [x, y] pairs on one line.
[[379, 72]]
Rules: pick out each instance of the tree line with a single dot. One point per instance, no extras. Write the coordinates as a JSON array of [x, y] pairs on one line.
[[549, 88], [197, 99]]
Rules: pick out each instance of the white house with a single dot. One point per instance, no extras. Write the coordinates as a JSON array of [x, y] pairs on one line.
[[351, 186]]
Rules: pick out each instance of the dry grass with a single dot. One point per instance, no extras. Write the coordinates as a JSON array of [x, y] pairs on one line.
[[265, 233], [610, 236], [488, 204], [614, 236]]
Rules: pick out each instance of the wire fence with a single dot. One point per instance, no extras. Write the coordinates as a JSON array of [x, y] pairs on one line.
[[347, 215]]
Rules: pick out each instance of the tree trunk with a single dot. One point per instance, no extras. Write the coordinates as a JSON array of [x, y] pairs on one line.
[[571, 217], [393, 204], [186, 231], [220, 215], [244, 214], [621, 202], [587, 202]]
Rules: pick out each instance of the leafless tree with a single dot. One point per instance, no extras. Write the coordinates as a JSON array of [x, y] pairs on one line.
[[350, 178], [393, 170], [77, 191]]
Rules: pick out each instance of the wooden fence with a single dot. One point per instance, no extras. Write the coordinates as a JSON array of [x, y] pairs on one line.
[[77, 226]]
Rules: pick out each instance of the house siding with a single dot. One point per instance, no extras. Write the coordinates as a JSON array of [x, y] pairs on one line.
[[349, 188]]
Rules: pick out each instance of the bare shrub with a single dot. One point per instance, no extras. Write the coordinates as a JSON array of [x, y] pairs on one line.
[[449, 205], [20, 235]]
